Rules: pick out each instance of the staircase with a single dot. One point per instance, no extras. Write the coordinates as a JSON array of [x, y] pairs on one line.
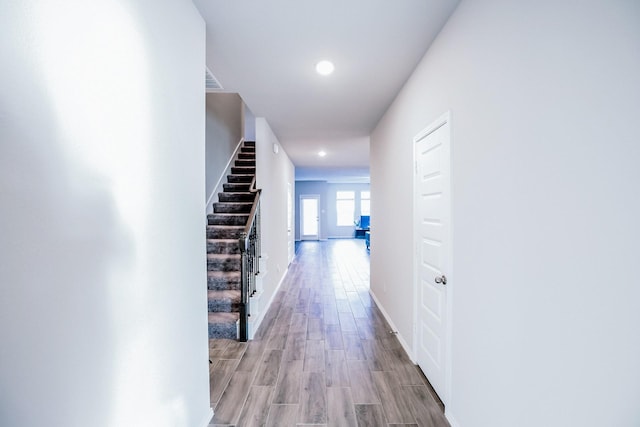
[[225, 225]]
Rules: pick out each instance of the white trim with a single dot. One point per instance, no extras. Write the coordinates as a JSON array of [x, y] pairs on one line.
[[255, 325], [206, 419], [404, 344], [225, 172], [448, 379]]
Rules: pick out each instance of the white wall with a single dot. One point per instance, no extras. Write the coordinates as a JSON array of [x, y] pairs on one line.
[[102, 257], [544, 100], [273, 173], [224, 129], [249, 121]]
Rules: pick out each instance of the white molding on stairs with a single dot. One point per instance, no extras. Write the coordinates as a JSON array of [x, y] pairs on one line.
[[255, 324], [222, 179]]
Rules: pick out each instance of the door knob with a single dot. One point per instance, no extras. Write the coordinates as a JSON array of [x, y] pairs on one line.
[[442, 279]]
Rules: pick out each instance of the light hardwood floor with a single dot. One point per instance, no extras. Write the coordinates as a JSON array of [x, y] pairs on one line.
[[323, 356]]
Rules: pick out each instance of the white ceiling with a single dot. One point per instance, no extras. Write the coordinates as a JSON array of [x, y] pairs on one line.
[[266, 51]]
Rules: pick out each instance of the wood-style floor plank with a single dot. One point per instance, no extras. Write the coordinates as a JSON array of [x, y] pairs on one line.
[[283, 416], [314, 356], [363, 388], [219, 378], [323, 355], [313, 400], [370, 415], [336, 369], [340, 410], [269, 367], [396, 406], [289, 382], [424, 408], [230, 404], [256, 407]]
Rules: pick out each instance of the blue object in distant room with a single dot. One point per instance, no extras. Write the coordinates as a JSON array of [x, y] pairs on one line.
[[365, 221], [362, 226]]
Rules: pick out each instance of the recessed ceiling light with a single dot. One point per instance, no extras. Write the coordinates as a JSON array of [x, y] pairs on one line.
[[325, 67], [322, 153]]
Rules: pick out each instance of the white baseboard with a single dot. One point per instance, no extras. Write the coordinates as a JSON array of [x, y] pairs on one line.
[[404, 344], [206, 419]]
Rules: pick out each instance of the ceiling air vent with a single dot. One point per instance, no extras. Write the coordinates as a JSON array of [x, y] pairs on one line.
[[211, 83]]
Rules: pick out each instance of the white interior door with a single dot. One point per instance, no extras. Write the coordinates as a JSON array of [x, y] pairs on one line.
[[310, 217], [433, 249]]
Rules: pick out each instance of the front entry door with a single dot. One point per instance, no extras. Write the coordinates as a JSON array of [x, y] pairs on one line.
[[310, 216], [433, 249]]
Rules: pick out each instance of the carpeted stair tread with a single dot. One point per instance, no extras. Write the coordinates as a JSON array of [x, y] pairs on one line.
[[241, 187], [223, 262], [240, 178], [243, 170], [223, 246], [246, 162], [223, 280], [223, 325], [228, 219], [224, 231], [231, 207], [224, 295], [236, 197], [223, 301]]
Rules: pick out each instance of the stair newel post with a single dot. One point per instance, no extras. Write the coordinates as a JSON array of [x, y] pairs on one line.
[[244, 287]]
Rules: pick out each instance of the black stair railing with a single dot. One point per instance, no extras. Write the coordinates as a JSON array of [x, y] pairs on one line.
[[250, 254]]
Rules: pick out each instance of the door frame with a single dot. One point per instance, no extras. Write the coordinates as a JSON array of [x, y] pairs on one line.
[[308, 196], [444, 119]]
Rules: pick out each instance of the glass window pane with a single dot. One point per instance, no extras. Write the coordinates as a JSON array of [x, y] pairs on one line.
[[365, 203], [365, 207], [345, 211]]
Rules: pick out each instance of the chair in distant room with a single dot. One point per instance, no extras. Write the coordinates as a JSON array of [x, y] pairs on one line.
[[363, 226]]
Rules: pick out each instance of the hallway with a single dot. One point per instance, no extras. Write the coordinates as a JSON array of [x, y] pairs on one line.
[[324, 354]]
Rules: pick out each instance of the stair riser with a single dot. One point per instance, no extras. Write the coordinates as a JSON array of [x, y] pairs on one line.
[[223, 248], [227, 219], [240, 178], [231, 264], [232, 207], [246, 156], [223, 233], [223, 306], [245, 163], [223, 285], [237, 170], [223, 330], [236, 197], [233, 187]]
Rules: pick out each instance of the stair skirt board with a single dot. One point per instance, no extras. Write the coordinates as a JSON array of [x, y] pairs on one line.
[[227, 170]]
